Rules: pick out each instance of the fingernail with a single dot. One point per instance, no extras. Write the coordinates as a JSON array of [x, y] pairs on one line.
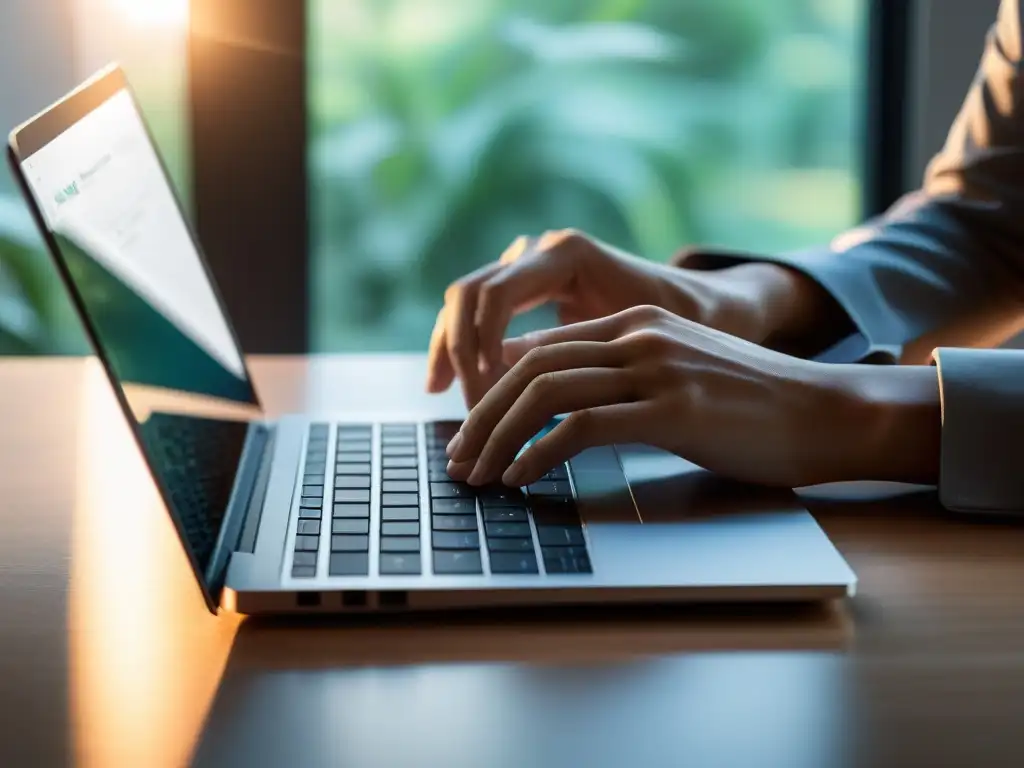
[[454, 470], [513, 476], [478, 476], [453, 445]]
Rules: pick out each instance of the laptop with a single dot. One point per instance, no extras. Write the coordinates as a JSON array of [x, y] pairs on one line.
[[354, 511]]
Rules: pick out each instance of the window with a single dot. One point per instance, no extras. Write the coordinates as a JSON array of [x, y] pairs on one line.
[[439, 130], [46, 48]]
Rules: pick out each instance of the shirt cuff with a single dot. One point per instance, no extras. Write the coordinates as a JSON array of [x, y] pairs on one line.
[[850, 286], [982, 399]]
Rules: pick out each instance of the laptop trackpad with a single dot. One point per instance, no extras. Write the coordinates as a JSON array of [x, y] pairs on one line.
[[640, 484], [653, 518]]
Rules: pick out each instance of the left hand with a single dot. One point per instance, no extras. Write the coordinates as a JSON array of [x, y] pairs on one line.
[[645, 375]]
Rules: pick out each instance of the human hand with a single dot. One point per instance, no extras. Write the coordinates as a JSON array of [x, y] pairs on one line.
[[587, 280], [647, 376]]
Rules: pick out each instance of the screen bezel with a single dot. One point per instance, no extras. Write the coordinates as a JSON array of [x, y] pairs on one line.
[[30, 137]]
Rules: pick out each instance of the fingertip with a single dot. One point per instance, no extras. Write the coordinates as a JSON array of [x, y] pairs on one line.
[[459, 470]]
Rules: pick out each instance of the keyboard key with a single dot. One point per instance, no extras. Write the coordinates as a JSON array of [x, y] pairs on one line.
[[397, 426], [312, 490], [313, 479], [398, 450], [400, 486], [500, 496], [400, 564], [314, 502], [399, 514], [556, 516], [438, 475], [550, 488], [352, 457], [453, 507], [451, 491], [310, 513], [399, 499], [352, 469], [560, 535], [351, 510], [557, 473], [353, 446], [510, 545], [309, 527], [401, 474], [351, 481], [318, 457], [304, 558], [451, 562], [564, 551], [400, 544], [565, 563], [350, 564], [392, 462], [318, 428], [505, 515], [351, 525], [514, 562], [455, 523], [552, 504], [398, 439], [350, 543], [507, 530], [352, 496], [307, 543], [399, 529], [440, 465], [456, 540], [303, 572]]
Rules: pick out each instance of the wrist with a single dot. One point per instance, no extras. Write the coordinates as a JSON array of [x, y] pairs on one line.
[[890, 423], [767, 300]]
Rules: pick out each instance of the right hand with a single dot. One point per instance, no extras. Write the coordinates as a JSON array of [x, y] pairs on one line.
[[587, 280]]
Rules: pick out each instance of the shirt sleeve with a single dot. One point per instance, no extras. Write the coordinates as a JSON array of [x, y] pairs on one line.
[[949, 257], [982, 395]]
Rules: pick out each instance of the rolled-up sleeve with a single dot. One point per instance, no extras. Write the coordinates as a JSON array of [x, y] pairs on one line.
[[982, 395]]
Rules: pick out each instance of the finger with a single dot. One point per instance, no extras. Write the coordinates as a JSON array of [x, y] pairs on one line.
[[460, 331], [589, 428], [569, 313], [545, 397], [482, 420], [531, 278], [440, 372], [604, 329]]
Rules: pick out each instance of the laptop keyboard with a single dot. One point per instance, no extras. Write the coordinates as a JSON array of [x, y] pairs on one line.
[[468, 529]]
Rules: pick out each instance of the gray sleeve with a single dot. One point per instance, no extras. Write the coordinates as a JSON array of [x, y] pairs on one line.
[[982, 394], [945, 265]]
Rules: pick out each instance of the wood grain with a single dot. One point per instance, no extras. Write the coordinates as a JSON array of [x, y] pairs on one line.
[[108, 657]]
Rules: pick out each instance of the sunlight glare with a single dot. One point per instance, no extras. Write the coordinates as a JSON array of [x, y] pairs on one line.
[[153, 13]]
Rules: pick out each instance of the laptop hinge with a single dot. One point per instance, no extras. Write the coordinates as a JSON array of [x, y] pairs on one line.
[[245, 507]]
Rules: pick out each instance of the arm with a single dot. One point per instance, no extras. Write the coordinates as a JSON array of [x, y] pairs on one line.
[[945, 265]]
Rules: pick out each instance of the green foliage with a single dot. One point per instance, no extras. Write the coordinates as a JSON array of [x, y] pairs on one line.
[[35, 316], [442, 129]]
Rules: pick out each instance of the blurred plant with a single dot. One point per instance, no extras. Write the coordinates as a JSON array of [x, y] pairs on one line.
[[35, 315], [428, 158]]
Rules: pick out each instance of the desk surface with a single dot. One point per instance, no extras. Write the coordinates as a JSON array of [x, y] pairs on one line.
[[109, 658]]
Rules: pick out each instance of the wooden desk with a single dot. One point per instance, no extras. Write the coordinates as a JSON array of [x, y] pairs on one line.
[[108, 657]]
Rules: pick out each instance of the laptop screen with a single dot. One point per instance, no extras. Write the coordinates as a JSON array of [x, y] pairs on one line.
[[146, 296]]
